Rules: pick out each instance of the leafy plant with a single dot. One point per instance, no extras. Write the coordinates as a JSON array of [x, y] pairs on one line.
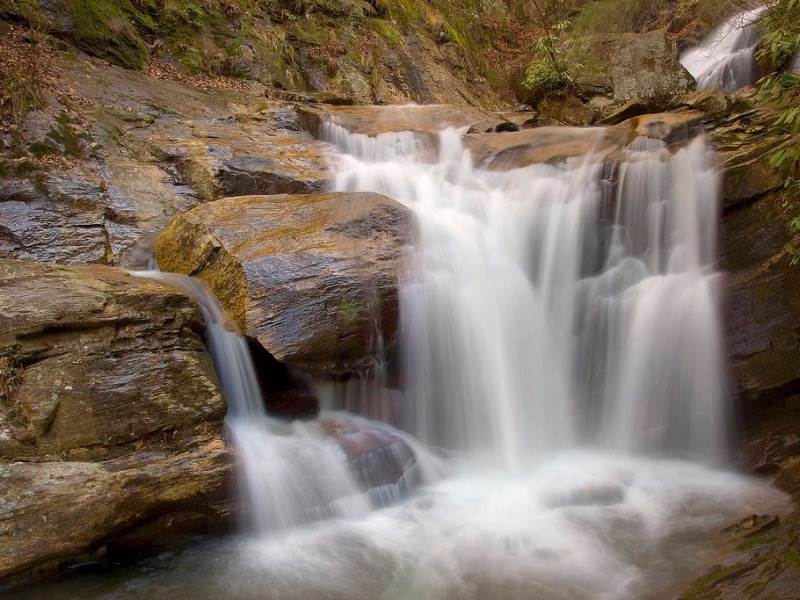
[[780, 42], [548, 75]]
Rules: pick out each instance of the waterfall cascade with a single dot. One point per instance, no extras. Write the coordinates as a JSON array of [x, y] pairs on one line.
[[546, 308], [560, 344], [726, 56]]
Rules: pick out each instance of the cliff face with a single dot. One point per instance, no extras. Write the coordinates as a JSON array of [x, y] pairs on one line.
[[380, 51]]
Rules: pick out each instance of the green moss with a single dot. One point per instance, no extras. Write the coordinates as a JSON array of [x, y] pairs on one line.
[[21, 10], [791, 558], [386, 30], [43, 148], [454, 36], [61, 139], [754, 588], [347, 312], [704, 587], [758, 540], [607, 16], [108, 29]]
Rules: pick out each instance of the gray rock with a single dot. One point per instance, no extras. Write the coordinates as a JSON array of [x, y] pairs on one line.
[[646, 65], [249, 175]]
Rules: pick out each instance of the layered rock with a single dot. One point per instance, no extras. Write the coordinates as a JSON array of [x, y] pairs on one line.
[[312, 277], [110, 417], [502, 151], [762, 310], [109, 173]]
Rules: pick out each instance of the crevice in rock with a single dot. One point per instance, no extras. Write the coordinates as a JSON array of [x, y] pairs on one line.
[[286, 389]]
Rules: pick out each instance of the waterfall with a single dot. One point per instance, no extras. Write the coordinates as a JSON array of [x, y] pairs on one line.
[[726, 56], [290, 473], [560, 347], [532, 321]]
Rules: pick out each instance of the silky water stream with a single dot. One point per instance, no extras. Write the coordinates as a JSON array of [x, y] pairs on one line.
[[563, 368]]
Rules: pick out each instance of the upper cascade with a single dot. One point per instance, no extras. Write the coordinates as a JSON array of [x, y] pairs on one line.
[[726, 56]]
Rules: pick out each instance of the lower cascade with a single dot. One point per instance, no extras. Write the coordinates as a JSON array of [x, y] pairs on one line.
[[562, 372]]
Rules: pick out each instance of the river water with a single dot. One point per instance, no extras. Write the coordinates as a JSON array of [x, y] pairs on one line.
[[563, 386]]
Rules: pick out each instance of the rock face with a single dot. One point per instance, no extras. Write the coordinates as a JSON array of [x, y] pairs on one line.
[[502, 151], [112, 171], [312, 277], [646, 66], [110, 416], [763, 312]]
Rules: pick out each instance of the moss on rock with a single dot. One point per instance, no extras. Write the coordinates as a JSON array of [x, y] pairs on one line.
[[108, 29]]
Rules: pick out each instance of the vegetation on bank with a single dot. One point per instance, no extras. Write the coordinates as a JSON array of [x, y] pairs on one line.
[[780, 43]]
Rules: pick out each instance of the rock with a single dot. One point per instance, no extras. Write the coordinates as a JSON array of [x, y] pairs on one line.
[[763, 312], [632, 108], [503, 151], [61, 218], [565, 111], [248, 175], [374, 120], [305, 275], [380, 456], [628, 65], [712, 99], [110, 419], [646, 66], [744, 142]]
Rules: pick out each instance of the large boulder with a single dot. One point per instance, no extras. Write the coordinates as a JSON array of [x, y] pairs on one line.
[[624, 66], [646, 66], [312, 277], [110, 417]]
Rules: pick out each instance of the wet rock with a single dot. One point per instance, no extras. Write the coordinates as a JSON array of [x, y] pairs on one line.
[[632, 108], [762, 312], [308, 276], [712, 99], [374, 120], [110, 418], [504, 151], [380, 456], [248, 175], [55, 218]]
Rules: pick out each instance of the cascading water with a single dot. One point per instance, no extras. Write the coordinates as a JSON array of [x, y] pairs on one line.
[[559, 322], [507, 313], [726, 56], [290, 472]]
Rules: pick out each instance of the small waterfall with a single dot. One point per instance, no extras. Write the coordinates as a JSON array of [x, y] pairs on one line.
[[726, 56], [290, 473]]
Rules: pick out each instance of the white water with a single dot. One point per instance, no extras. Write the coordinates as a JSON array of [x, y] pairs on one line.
[[290, 473], [527, 312], [726, 56], [560, 342]]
